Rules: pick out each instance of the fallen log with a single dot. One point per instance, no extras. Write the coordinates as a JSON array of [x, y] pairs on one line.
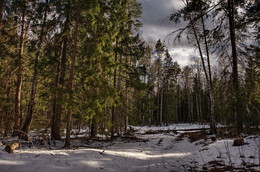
[[11, 147], [180, 130]]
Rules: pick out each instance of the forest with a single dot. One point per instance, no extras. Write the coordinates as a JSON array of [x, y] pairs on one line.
[[70, 65]]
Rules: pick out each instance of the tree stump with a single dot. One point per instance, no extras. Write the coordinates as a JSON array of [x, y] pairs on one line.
[[238, 142], [213, 139], [11, 147]]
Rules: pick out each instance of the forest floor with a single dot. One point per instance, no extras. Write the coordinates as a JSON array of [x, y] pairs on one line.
[[147, 149]]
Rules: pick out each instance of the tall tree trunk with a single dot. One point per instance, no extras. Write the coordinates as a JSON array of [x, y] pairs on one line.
[[201, 54], [113, 110], [120, 89], [29, 114], [238, 120], [211, 99], [211, 109], [71, 78], [1, 24], [197, 108], [161, 107], [200, 103], [207, 75], [93, 127], [61, 81], [158, 94], [18, 117], [191, 108], [126, 123], [178, 105], [54, 108], [188, 102], [7, 114]]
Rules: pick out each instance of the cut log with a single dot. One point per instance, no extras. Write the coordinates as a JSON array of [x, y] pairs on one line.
[[11, 147]]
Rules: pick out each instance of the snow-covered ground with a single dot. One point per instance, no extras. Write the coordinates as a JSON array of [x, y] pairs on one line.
[[159, 152], [181, 126]]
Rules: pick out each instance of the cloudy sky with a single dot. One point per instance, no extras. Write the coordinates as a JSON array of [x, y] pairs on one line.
[[156, 26]]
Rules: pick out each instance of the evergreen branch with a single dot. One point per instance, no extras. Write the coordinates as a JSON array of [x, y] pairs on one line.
[[191, 23]]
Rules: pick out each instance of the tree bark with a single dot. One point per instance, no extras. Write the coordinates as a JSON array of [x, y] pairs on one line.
[[31, 104], [126, 123], [71, 79], [212, 123], [93, 129], [211, 99], [8, 115], [161, 106], [18, 117], [238, 122], [56, 122], [158, 92], [113, 110]]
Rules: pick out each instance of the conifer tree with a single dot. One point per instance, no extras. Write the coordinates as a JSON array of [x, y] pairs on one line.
[[18, 114], [61, 74], [159, 48], [39, 52]]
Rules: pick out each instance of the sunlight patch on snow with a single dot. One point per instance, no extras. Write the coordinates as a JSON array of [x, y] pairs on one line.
[[145, 156], [92, 163], [11, 162], [222, 142], [47, 152]]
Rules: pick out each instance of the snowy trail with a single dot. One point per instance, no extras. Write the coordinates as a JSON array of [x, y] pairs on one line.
[[132, 156], [162, 152]]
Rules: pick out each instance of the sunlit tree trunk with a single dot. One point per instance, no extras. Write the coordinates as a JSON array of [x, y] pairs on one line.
[[30, 109], [7, 114], [18, 117], [126, 123], [56, 122], [113, 110], [71, 79]]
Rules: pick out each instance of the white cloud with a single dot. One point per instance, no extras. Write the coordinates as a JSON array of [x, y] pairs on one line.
[[183, 55]]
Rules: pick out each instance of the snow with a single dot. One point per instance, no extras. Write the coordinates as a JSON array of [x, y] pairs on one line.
[[181, 126], [165, 151]]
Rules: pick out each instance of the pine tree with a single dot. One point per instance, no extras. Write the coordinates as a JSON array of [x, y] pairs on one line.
[[31, 104], [8, 54], [72, 73], [159, 48], [171, 72], [18, 115], [193, 12], [61, 74]]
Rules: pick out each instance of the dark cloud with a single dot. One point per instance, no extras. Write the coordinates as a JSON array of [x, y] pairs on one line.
[[155, 18], [157, 26]]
